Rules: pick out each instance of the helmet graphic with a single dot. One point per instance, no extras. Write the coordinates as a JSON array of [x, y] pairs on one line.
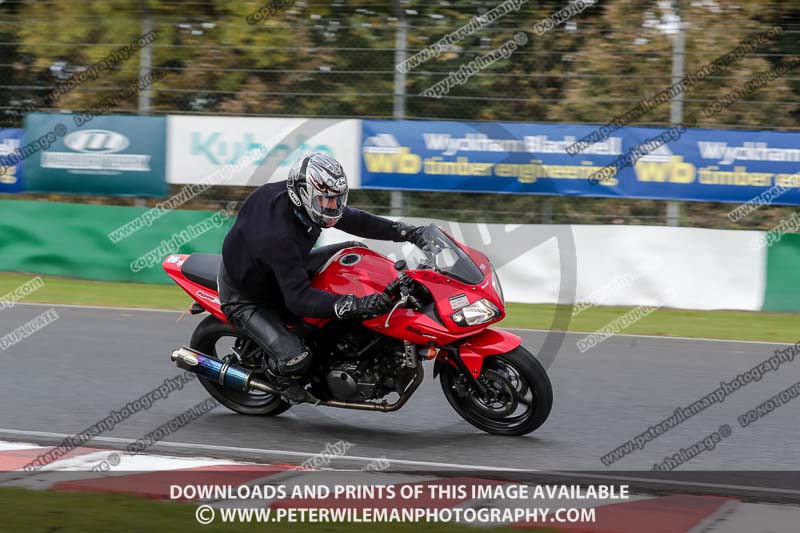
[[317, 183]]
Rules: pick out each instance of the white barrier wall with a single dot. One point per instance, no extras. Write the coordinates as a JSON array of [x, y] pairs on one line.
[[688, 268]]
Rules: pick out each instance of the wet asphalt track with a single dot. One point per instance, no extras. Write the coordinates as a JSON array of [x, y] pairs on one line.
[[67, 376]]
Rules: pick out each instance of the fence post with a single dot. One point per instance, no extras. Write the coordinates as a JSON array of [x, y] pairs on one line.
[[676, 108], [145, 59], [397, 200]]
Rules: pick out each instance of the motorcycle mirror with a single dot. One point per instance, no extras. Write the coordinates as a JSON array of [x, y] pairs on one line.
[[401, 265]]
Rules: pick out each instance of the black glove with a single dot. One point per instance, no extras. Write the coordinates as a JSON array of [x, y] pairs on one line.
[[370, 306], [412, 234]]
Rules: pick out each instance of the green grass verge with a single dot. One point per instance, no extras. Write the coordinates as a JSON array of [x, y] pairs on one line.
[[83, 292], [81, 512], [739, 325]]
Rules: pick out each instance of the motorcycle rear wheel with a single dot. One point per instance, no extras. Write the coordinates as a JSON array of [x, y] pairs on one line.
[[521, 394], [206, 339]]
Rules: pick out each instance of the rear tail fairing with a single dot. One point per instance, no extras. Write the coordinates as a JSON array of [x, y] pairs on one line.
[[207, 298]]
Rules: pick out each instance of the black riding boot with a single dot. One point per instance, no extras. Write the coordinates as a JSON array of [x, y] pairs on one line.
[[288, 358]]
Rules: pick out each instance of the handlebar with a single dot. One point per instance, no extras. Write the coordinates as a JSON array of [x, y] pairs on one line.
[[399, 290], [394, 288]]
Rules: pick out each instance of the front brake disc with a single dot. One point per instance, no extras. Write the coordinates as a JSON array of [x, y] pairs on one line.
[[504, 401]]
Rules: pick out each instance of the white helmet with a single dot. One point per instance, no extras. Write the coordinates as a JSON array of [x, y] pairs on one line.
[[317, 183]]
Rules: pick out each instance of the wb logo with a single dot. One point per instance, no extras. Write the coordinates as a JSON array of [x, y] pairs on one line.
[[382, 153], [673, 171]]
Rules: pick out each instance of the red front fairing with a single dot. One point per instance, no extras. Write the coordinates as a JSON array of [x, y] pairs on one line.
[[207, 298], [444, 290], [361, 271]]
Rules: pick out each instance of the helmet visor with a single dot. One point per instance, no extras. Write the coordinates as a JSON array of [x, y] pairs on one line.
[[329, 208]]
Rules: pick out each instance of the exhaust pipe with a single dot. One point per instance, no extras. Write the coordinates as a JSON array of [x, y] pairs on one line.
[[382, 406], [222, 372], [239, 378]]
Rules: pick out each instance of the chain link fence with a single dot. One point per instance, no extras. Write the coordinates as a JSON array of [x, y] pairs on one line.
[[339, 59]]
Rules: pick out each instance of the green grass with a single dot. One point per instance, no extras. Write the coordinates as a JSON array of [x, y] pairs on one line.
[[83, 292], [739, 325], [71, 512]]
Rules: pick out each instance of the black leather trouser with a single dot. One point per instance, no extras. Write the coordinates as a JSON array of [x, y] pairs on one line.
[[287, 354]]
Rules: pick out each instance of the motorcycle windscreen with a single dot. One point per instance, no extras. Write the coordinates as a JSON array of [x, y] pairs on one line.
[[448, 258]]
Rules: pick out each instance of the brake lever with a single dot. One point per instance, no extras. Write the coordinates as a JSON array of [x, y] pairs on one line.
[[399, 303]]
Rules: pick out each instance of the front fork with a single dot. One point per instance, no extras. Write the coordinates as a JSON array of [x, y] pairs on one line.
[[449, 355], [468, 356]]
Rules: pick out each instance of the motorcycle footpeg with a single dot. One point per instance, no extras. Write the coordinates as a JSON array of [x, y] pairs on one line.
[[309, 398], [290, 391], [313, 400]]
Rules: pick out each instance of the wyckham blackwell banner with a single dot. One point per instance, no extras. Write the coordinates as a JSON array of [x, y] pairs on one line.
[[694, 164]]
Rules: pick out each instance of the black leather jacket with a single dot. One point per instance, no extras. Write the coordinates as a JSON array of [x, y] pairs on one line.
[[266, 252]]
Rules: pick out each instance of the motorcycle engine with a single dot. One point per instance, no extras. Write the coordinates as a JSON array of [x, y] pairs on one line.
[[347, 383], [365, 366]]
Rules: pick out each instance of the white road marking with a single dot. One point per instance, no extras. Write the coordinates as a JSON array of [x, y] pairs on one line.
[[135, 463], [101, 307], [667, 337], [7, 446], [212, 447], [609, 477]]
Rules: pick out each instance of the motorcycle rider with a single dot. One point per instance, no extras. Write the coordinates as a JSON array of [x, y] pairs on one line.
[[268, 261]]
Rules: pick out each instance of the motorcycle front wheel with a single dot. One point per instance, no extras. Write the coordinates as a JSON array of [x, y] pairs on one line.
[[517, 394]]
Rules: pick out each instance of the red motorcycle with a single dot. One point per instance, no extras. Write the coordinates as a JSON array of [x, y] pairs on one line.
[[441, 311]]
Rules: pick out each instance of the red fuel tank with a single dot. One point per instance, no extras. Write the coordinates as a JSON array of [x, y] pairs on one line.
[[358, 271]]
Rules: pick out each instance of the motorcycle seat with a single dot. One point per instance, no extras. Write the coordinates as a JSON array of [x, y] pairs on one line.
[[202, 269]]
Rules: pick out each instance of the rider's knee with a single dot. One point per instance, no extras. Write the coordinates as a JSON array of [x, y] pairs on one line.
[[291, 357]]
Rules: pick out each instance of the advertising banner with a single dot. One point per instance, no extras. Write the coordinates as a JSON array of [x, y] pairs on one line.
[[668, 164], [113, 155], [202, 147], [10, 171]]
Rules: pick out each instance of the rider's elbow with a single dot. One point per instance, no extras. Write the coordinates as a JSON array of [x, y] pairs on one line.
[[296, 307]]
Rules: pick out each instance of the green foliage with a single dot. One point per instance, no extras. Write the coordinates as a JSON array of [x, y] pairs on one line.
[[337, 58]]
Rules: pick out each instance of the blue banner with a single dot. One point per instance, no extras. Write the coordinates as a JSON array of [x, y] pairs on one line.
[[10, 174], [666, 164]]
